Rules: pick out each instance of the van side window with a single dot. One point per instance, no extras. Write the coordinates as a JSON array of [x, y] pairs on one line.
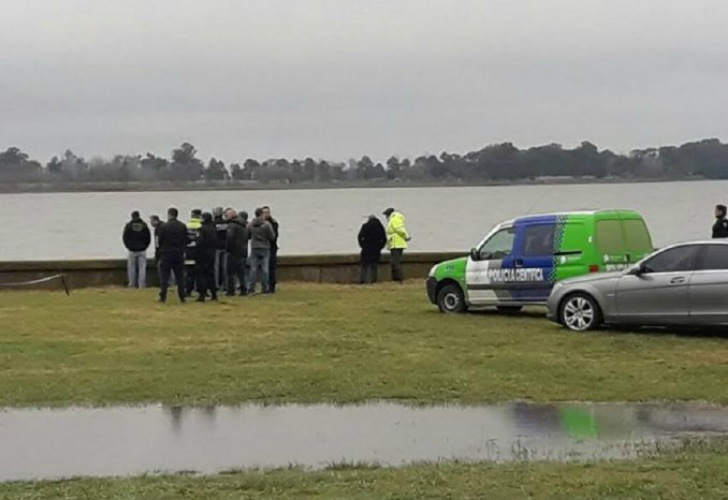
[[538, 240], [499, 245], [716, 257], [637, 236], [609, 237]]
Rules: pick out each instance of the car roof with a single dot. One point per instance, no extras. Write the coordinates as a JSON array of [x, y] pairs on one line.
[[547, 217]]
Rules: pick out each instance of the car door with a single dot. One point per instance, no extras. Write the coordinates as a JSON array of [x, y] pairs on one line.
[[533, 262], [708, 290], [659, 295], [486, 275]]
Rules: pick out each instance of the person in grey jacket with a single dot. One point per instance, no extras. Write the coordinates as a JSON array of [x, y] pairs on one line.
[[236, 246], [262, 237]]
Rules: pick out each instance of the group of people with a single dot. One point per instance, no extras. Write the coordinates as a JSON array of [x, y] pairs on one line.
[[221, 250]]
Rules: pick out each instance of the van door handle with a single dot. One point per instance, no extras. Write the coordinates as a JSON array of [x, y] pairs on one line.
[[519, 263], [677, 280]]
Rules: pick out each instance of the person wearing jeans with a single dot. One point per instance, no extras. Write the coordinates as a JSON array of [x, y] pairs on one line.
[[262, 236], [137, 239], [236, 244]]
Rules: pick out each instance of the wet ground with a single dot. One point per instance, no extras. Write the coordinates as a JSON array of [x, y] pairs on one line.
[[54, 443]]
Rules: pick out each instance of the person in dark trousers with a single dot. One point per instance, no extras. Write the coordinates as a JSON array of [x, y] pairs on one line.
[[136, 239], [193, 234], [156, 223], [720, 228], [221, 225], [372, 239], [273, 259], [237, 251], [397, 239], [173, 241], [262, 237], [205, 258]]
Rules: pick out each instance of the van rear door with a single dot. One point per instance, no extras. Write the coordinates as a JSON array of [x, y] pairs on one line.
[[636, 238], [610, 244]]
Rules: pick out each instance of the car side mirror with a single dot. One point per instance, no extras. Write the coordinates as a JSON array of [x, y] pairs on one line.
[[640, 270], [474, 254]]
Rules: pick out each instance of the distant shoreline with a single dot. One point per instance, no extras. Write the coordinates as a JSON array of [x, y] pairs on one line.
[[109, 187]]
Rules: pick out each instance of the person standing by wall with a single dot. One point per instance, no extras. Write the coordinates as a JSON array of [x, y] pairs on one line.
[[173, 239], [221, 225], [193, 233], [205, 258], [372, 239], [262, 237], [720, 228], [397, 239], [237, 251], [136, 238], [273, 266]]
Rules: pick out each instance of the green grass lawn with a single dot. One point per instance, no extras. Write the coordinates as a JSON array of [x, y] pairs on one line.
[[313, 343], [696, 472]]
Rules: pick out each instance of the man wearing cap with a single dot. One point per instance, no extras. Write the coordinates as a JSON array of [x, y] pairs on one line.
[[397, 238]]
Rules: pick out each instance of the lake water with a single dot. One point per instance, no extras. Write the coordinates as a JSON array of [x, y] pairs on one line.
[[89, 225], [55, 443]]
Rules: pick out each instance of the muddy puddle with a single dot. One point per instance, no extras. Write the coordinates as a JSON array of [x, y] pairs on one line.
[[56, 443]]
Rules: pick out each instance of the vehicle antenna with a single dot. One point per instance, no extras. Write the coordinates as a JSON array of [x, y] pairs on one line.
[[538, 200]]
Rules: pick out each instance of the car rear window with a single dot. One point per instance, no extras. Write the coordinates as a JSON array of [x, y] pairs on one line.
[[637, 236], [610, 239], [716, 257]]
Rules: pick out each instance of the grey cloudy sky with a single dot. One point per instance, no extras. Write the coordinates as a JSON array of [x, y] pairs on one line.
[[343, 78]]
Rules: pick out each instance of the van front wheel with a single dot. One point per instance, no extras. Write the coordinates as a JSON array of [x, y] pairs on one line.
[[450, 299]]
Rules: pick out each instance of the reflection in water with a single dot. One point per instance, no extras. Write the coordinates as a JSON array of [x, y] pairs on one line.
[[51, 443]]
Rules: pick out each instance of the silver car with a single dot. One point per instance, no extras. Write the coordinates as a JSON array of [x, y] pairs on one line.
[[684, 284]]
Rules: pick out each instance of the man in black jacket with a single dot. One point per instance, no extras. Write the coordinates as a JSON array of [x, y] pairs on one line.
[[720, 228], [173, 242], [273, 260], [205, 258], [221, 225], [136, 240], [237, 251], [372, 239]]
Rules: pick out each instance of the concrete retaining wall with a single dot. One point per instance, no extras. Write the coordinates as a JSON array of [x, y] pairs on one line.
[[309, 268]]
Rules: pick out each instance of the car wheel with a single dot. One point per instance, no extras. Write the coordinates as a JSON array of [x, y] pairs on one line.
[[580, 312], [510, 309], [450, 299]]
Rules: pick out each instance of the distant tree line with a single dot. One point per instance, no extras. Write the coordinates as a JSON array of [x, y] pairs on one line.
[[496, 163]]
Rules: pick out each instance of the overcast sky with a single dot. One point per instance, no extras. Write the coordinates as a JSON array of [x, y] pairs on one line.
[[343, 78]]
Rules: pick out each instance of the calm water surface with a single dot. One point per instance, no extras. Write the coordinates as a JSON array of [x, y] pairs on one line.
[[55, 443], [85, 225]]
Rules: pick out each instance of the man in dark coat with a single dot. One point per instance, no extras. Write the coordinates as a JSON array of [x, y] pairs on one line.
[[172, 246], [720, 228], [273, 257], [205, 258], [372, 239], [236, 245]]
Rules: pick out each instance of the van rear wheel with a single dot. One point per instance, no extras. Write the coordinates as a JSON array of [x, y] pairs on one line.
[[450, 299], [579, 312]]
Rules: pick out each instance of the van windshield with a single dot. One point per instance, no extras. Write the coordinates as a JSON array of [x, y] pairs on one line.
[[499, 245]]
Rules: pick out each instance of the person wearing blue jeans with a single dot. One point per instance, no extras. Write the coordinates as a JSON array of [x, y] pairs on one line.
[[262, 237], [137, 239]]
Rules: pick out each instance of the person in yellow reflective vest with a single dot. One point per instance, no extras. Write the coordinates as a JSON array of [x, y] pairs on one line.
[[397, 238]]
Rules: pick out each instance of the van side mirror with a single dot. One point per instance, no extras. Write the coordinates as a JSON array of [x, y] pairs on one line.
[[474, 254]]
